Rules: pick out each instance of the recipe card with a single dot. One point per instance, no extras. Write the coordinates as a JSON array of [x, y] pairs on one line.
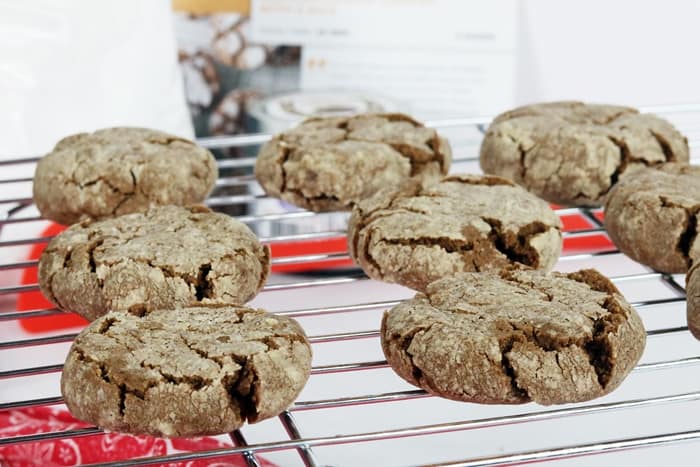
[[443, 58]]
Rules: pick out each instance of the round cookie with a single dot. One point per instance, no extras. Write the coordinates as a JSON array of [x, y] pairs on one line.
[[572, 153], [414, 234], [652, 216], [692, 288], [514, 337], [165, 258], [185, 372], [327, 164], [118, 171]]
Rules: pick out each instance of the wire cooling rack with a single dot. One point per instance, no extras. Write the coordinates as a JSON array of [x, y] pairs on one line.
[[354, 410]]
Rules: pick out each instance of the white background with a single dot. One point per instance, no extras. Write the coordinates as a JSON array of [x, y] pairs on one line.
[[623, 51]]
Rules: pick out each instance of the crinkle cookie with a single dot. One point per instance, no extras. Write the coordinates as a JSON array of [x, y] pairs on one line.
[[692, 288], [119, 171], [514, 337], [185, 372], [327, 164], [572, 153], [414, 234], [652, 216], [165, 258]]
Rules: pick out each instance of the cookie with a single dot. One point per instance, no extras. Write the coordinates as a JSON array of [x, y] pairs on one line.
[[514, 337], [185, 372], [118, 171], [414, 235], [652, 216], [167, 257], [327, 164], [572, 153], [692, 288]]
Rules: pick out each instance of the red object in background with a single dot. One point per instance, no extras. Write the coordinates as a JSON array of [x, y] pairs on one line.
[[588, 244], [89, 449], [585, 243], [573, 222], [97, 448], [299, 248], [337, 245], [570, 222], [114, 446], [35, 300]]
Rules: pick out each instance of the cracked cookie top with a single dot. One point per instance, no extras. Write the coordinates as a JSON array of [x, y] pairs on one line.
[[118, 171], [652, 216], [415, 234], [515, 336], [185, 372], [167, 257], [572, 153], [692, 287], [327, 164]]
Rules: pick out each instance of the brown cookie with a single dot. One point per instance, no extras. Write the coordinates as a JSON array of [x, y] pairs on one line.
[[327, 164], [416, 234], [514, 337], [119, 171], [167, 257], [652, 216], [692, 288], [185, 372], [572, 153]]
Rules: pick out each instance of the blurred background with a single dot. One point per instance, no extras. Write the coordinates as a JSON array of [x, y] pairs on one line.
[[434, 58], [260, 65]]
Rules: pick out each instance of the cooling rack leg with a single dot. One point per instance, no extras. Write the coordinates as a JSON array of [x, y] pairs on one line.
[[591, 217], [307, 455], [239, 441], [671, 281]]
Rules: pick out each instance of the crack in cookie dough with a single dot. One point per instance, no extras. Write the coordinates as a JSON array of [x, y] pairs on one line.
[[523, 153], [167, 257], [596, 345], [693, 300], [517, 246], [573, 153], [669, 154], [624, 160], [185, 372], [652, 216], [405, 342], [515, 336], [329, 164], [413, 235], [509, 371], [118, 171], [686, 239]]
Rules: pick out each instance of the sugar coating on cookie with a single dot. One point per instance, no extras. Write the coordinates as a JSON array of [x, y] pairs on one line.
[[415, 234], [167, 257], [327, 164], [572, 153], [514, 337], [652, 216], [185, 372], [118, 171]]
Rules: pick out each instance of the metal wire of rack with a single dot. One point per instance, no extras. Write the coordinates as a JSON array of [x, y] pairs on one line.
[[342, 419]]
